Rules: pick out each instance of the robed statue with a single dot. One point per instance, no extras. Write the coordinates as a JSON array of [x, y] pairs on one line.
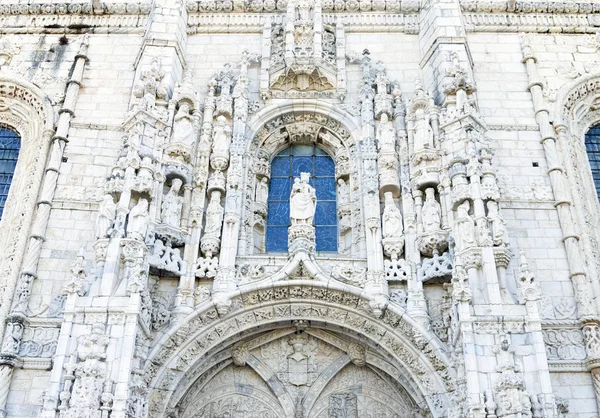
[[303, 200]]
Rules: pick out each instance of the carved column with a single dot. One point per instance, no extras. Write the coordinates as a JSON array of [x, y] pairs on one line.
[[584, 292], [225, 280], [16, 320]]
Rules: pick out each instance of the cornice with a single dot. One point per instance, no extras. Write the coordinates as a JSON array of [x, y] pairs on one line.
[[531, 6], [74, 8], [531, 22], [73, 23], [329, 6], [254, 22]]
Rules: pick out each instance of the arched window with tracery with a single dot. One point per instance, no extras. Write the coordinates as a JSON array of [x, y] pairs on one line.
[[287, 165], [592, 146], [10, 144]]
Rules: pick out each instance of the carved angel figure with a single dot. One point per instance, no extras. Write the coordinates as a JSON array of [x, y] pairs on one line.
[[498, 225], [172, 205], [138, 220], [222, 136], [183, 129], [464, 227], [432, 211], [303, 201], [392, 218], [106, 217]]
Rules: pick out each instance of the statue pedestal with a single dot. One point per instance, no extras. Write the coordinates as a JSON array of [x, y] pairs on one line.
[[301, 237]]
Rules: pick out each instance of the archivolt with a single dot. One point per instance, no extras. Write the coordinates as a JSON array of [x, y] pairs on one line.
[[24, 107], [201, 342]]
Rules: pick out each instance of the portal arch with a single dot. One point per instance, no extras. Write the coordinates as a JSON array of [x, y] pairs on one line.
[[202, 344]]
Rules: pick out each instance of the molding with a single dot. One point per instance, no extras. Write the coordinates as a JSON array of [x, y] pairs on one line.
[[254, 22], [535, 22], [61, 24], [513, 127], [530, 6]]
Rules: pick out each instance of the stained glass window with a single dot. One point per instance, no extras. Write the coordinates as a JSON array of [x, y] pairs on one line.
[[10, 144], [592, 146], [287, 165]]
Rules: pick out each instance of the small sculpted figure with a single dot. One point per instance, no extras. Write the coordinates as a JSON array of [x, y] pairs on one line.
[[392, 218], [222, 136], [183, 129], [464, 227], [172, 205], [432, 211], [106, 217], [138, 220]]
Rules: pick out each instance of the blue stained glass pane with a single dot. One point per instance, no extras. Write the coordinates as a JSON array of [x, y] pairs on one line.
[[325, 213], [277, 238], [280, 167], [592, 146], [325, 188], [279, 188], [319, 151], [279, 213], [326, 237], [283, 152], [324, 167], [10, 144], [299, 150], [302, 165]]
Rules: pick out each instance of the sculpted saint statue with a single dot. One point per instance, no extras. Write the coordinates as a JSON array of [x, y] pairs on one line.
[[343, 193], [172, 204], [431, 211], [423, 134], [464, 227], [183, 129], [392, 218], [498, 225], [106, 216], [303, 200], [386, 134], [214, 215], [262, 190], [138, 220], [221, 136]]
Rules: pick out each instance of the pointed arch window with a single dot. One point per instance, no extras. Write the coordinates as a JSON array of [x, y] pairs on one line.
[[592, 146], [10, 144], [287, 165]]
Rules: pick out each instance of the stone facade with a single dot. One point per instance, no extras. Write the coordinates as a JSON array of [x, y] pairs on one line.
[[138, 276]]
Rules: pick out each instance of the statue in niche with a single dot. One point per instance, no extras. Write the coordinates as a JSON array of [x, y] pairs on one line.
[[303, 200], [138, 220], [498, 225], [214, 215], [221, 136], [386, 134], [262, 190], [392, 218], [106, 217], [432, 211], [423, 134], [183, 128], [172, 205], [464, 227], [343, 193]]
